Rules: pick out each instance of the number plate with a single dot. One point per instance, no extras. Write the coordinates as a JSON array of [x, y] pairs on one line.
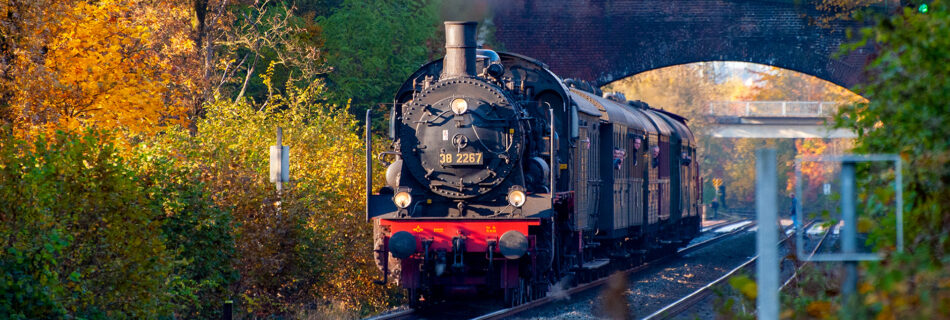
[[463, 158]]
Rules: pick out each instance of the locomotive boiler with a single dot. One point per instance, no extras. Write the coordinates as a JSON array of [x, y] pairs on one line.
[[503, 179]]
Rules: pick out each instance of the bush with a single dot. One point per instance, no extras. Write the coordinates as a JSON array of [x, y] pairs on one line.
[[307, 248], [185, 220], [906, 114], [197, 230], [79, 230], [87, 233]]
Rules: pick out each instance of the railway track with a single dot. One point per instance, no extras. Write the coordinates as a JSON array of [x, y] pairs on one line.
[[691, 300], [739, 226], [508, 312], [794, 277]]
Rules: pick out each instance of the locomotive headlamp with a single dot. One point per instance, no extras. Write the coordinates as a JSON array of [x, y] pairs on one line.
[[516, 198], [402, 199], [459, 106]]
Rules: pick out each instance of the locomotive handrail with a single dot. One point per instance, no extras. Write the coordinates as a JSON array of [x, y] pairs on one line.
[[386, 153], [369, 162], [551, 164]]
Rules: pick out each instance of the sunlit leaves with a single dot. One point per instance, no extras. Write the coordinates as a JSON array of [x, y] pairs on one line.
[[745, 285], [906, 112], [310, 243], [94, 68]]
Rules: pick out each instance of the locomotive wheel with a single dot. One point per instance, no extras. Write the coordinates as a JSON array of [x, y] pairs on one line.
[[414, 301], [517, 295], [523, 290]]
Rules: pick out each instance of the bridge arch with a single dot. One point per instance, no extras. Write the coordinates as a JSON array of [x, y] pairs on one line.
[[603, 41], [743, 100]]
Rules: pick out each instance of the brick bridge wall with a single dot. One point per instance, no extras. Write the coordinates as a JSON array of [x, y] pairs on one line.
[[603, 41]]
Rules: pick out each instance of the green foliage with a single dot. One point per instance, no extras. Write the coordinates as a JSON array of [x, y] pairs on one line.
[[29, 283], [269, 36], [76, 213], [906, 114], [87, 233], [194, 227], [373, 46]]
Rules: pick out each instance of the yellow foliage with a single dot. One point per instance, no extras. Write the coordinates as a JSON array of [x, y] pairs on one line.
[[820, 309], [91, 65], [748, 287]]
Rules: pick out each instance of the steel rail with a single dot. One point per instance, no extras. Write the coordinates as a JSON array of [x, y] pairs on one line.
[[794, 276], [692, 299], [394, 315], [507, 312]]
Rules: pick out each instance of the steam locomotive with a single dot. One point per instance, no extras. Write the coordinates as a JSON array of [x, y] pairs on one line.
[[505, 179]]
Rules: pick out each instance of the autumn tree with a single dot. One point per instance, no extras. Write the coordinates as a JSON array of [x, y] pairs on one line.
[[169, 106], [267, 37], [684, 89], [88, 64], [772, 83]]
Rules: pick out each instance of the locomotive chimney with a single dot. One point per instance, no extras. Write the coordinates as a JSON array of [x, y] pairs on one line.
[[459, 58]]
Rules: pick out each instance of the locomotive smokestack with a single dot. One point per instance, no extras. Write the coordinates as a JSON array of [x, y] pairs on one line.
[[459, 58]]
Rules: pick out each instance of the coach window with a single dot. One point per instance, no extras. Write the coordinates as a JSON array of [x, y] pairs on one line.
[[656, 156]]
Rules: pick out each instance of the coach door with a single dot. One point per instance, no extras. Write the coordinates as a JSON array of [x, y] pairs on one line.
[[587, 174], [635, 183], [581, 163], [593, 176], [621, 175]]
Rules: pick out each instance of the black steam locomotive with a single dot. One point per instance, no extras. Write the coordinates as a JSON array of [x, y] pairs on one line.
[[504, 178]]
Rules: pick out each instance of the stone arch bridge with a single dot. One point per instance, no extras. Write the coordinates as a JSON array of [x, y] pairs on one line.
[[603, 40]]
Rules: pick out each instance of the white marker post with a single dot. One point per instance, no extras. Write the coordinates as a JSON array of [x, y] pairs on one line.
[[279, 162], [766, 210]]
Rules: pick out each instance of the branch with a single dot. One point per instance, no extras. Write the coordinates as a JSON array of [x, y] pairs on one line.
[[225, 74], [247, 78]]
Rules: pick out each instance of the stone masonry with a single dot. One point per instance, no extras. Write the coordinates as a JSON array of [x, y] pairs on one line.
[[603, 41]]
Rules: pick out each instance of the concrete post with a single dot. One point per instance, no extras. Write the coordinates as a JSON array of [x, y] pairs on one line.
[[766, 210], [849, 232]]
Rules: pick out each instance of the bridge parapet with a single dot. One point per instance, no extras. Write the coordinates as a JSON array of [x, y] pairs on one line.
[[773, 108]]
